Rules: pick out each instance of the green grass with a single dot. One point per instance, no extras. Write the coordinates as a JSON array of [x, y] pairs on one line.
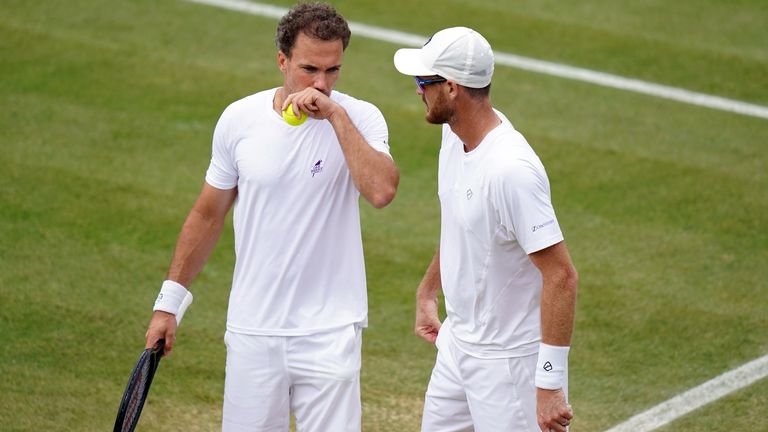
[[107, 113]]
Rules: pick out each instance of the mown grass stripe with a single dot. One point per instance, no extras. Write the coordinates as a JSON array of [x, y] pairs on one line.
[[528, 64]]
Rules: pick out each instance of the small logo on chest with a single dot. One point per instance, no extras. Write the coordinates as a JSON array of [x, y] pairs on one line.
[[317, 168], [469, 194]]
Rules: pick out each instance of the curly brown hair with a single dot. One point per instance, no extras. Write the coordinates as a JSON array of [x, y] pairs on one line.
[[317, 20]]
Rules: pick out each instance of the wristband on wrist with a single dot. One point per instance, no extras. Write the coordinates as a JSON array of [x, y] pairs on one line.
[[174, 299], [551, 366]]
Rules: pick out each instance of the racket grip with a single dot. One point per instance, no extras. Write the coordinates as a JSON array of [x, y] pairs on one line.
[[183, 308]]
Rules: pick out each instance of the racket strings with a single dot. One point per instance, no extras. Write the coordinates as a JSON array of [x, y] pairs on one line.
[[136, 400]]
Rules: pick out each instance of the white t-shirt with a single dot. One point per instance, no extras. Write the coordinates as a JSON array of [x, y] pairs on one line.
[[495, 210], [299, 254]]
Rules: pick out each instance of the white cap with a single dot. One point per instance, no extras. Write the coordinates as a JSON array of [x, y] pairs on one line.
[[458, 53]]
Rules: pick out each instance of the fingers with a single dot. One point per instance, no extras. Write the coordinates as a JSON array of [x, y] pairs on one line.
[[162, 326], [311, 102], [170, 339], [554, 413], [561, 426], [429, 334], [427, 325]]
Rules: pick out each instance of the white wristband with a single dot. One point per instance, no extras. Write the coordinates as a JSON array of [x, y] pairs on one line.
[[174, 299], [551, 366]]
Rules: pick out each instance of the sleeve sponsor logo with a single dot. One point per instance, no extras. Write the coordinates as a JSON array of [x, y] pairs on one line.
[[544, 225]]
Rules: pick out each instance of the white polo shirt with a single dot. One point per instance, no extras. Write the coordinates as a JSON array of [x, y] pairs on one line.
[[495, 210], [299, 254]]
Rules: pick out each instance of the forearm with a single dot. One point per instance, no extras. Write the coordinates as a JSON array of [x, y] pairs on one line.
[[373, 172], [558, 294], [196, 241], [427, 316], [431, 283], [200, 233], [558, 306]]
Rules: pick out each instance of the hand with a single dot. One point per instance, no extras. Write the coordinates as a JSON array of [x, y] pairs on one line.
[[552, 411], [313, 103], [162, 326], [427, 321]]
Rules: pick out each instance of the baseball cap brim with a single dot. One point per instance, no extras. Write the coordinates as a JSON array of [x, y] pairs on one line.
[[408, 61]]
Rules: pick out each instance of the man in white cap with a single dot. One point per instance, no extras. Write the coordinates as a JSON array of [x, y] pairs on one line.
[[508, 280]]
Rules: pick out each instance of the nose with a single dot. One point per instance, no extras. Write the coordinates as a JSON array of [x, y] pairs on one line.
[[321, 83]]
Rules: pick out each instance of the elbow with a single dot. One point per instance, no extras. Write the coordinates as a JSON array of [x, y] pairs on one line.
[[385, 193], [383, 197], [572, 281]]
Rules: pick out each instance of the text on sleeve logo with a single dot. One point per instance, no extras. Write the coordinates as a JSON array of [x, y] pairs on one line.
[[545, 224]]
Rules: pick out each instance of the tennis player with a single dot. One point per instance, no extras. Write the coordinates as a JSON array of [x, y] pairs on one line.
[[298, 301], [502, 264]]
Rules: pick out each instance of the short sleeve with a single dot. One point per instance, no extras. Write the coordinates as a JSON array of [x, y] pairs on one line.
[[222, 171], [521, 197], [371, 124]]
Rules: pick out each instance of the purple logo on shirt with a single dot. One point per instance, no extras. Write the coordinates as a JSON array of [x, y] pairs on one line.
[[317, 168]]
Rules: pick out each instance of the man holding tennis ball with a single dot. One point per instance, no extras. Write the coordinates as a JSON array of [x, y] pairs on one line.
[[295, 159]]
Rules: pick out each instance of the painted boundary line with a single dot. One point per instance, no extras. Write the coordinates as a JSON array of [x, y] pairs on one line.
[[526, 63], [696, 397]]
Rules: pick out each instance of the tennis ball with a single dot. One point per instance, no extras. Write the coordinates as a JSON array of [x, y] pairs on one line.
[[291, 118]]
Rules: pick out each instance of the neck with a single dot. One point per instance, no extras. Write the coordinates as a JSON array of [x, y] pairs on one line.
[[473, 122], [277, 101]]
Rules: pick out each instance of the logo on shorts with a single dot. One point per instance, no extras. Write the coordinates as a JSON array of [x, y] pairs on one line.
[[317, 168], [548, 367], [469, 194]]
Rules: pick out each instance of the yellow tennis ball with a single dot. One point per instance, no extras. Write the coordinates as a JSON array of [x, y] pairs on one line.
[[291, 118]]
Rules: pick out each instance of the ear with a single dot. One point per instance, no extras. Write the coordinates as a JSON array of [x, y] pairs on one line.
[[453, 89], [282, 61]]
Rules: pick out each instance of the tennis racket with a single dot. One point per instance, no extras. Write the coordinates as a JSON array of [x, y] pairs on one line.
[[136, 391], [138, 388]]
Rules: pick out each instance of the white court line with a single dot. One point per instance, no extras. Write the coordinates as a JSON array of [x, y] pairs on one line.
[[526, 63], [696, 397]]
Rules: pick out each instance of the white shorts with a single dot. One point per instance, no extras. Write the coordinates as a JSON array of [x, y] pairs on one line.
[[315, 377], [467, 393]]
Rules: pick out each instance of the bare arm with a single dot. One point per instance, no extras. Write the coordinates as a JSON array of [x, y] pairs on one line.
[[427, 318], [558, 306], [373, 172], [200, 233], [558, 293], [197, 239]]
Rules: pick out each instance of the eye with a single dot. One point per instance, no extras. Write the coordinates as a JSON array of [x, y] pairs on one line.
[[309, 69]]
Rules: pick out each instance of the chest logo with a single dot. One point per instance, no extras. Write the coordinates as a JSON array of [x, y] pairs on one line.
[[317, 168], [469, 194]]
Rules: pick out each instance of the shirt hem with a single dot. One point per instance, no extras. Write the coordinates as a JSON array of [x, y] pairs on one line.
[[362, 323], [543, 244], [475, 350]]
